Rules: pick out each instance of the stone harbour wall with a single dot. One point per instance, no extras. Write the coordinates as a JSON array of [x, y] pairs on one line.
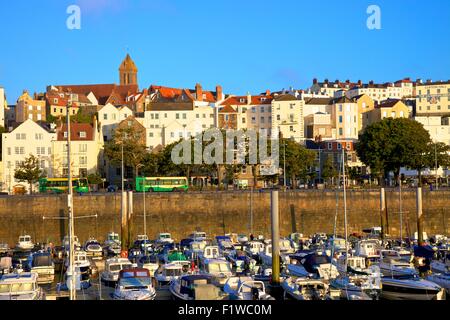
[[44, 217]]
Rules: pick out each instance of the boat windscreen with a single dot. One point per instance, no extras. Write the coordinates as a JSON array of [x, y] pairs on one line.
[[42, 260]]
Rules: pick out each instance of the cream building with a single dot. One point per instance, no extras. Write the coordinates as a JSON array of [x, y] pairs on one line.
[[344, 117], [28, 108], [379, 92], [109, 118], [386, 109], [433, 98], [365, 104], [86, 147], [287, 117], [438, 127], [3, 107], [29, 138]]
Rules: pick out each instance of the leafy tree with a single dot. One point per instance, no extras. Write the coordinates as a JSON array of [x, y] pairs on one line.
[[29, 171], [298, 160], [134, 148], [328, 169], [434, 153], [95, 179], [390, 144]]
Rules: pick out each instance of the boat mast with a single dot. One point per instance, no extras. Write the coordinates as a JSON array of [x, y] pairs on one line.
[[70, 209], [345, 208]]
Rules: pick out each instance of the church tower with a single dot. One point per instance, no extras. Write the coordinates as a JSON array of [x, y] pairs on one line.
[[128, 71]]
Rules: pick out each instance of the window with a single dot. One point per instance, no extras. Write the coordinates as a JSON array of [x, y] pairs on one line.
[[30, 107], [401, 114], [165, 115], [39, 136], [340, 108], [341, 132], [82, 148], [339, 146], [9, 151], [253, 119], [204, 116], [291, 128], [150, 135], [83, 134], [393, 114], [438, 107], [197, 116], [340, 119], [49, 150], [172, 135], [114, 116], [243, 119], [105, 116], [253, 109], [278, 117], [65, 134], [262, 119], [83, 161], [330, 146], [177, 116]]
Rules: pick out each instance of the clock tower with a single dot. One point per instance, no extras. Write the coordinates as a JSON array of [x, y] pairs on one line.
[[128, 71]]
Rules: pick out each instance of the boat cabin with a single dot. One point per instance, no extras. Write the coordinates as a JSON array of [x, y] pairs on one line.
[[22, 286]]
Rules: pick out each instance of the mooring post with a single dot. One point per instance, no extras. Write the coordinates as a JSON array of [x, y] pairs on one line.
[[419, 216], [130, 217], [382, 212], [274, 213], [123, 224]]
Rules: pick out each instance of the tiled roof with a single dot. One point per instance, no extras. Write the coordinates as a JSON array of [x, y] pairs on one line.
[[227, 109], [173, 94], [388, 103], [284, 97], [102, 92], [242, 100], [318, 101], [75, 132]]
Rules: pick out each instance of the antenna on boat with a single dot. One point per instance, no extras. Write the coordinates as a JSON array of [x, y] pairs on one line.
[[72, 288]]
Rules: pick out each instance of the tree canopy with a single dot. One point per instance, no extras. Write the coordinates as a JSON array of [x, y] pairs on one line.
[[29, 171]]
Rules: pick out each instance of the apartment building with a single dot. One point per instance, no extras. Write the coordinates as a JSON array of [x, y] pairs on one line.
[[29, 108], [433, 98]]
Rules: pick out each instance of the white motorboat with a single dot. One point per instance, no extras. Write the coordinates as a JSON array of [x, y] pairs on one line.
[[220, 269], [253, 248], [266, 255], [134, 284], [198, 236], [304, 289], [195, 287], [392, 265], [112, 238], [195, 249], [442, 279], [93, 248], [168, 272], [359, 287], [164, 238], [150, 263], [25, 243], [42, 264], [113, 267], [82, 280], [368, 249], [245, 288], [22, 286], [6, 265], [210, 252], [410, 288], [312, 265]]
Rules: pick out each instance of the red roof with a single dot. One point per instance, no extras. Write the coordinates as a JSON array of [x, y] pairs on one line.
[[103, 92], [75, 132], [242, 100], [227, 109], [175, 93]]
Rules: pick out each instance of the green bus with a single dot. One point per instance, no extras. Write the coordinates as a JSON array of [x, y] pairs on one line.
[[166, 184], [61, 185]]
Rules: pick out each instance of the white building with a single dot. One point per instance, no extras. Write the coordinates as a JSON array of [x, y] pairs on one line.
[[29, 138], [109, 118], [344, 117], [2, 107], [438, 127], [287, 117]]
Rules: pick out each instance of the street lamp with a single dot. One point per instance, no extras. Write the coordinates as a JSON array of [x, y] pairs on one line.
[[145, 213]]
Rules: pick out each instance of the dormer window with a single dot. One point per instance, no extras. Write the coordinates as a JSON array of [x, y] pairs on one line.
[[65, 134], [55, 100], [82, 134], [242, 100]]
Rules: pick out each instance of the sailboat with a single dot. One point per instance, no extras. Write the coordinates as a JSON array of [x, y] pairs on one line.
[[356, 284]]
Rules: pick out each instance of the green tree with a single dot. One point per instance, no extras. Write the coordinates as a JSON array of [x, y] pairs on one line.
[[95, 179], [299, 160], [29, 171], [390, 144], [435, 153], [134, 148], [328, 169]]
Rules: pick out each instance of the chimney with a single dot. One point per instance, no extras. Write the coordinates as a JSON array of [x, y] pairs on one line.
[[199, 92], [249, 98], [315, 81], [219, 93], [429, 80], [347, 81], [359, 83], [267, 92], [419, 80], [371, 82], [326, 81]]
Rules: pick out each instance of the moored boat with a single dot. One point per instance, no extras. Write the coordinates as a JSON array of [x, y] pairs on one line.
[[134, 284], [22, 286]]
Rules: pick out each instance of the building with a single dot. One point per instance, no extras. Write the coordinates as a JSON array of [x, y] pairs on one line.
[[175, 114], [378, 92], [331, 89], [287, 117], [433, 98], [315, 105], [128, 72], [438, 127], [252, 112], [318, 127], [28, 108], [392, 108], [3, 107], [344, 118], [109, 118], [28, 138], [57, 102], [365, 104], [86, 147]]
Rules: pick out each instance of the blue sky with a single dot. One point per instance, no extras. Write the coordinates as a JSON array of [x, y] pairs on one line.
[[245, 45]]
